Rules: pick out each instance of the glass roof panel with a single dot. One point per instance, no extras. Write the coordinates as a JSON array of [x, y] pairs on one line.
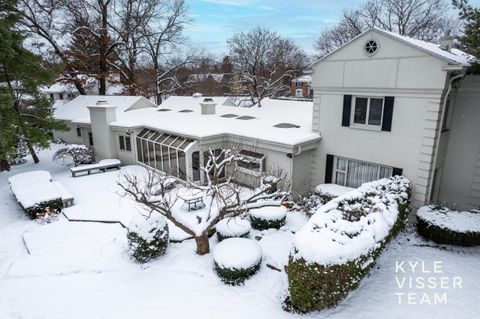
[[143, 132]]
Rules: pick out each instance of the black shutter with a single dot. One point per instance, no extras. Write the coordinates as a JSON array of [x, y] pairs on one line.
[[397, 171], [347, 106], [329, 169], [388, 113]]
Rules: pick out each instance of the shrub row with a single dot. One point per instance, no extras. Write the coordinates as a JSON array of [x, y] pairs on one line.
[[327, 269], [52, 206], [449, 227]]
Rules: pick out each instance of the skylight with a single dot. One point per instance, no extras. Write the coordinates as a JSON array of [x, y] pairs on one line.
[[245, 117], [164, 110], [185, 111], [286, 125], [229, 115]]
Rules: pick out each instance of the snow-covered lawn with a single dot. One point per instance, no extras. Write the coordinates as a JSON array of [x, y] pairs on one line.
[[81, 269]]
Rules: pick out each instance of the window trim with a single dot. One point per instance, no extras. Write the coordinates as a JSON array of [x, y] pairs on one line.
[[345, 172], [366, 126]]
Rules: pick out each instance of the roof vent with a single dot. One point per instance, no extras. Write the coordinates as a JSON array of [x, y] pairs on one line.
[[102, 102], [446, 43], [208, 106]]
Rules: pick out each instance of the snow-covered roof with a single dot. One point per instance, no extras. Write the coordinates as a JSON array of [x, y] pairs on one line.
[[181, 115], [303, 78], [76, 110], [454, 56]]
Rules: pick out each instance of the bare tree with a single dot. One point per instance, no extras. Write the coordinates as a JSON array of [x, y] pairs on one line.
[[265, 62], [427, 20], [223, 198]]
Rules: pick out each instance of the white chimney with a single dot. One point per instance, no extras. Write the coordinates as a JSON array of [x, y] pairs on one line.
[[208, 106], [446, 43], [101, 115]]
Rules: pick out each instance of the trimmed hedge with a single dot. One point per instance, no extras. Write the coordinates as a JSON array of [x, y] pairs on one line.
[[444, 235], [221, 237], [262, 224], [314, 286], [143, 250], [52, 206], [236, 276]]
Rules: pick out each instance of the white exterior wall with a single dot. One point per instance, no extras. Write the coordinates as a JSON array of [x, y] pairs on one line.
[[415, 79], [104, 139], [460, 179], [71, 136], [125, 157], [302, 173]]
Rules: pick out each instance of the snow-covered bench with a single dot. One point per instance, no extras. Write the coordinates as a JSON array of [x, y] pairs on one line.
[[101, 166]]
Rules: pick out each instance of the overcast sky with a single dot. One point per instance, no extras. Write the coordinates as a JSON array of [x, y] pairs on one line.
[[214, 21]]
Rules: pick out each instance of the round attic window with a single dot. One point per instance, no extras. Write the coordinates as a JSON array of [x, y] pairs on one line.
[[371, 47]]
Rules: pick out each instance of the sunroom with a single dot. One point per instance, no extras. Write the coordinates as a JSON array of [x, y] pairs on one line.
[[168, 153]]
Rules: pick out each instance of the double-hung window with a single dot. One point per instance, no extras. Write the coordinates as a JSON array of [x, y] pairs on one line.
[[125, 143], [353, 173], [368, 112]]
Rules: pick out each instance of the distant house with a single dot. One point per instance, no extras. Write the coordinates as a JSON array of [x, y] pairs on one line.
[[302, 87], [66, 91]]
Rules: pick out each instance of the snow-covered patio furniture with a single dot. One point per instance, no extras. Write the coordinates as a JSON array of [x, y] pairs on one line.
[[192, 198], [36, 193], [101, 166]]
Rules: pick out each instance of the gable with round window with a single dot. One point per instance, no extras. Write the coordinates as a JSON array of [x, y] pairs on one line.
[[371, 47]]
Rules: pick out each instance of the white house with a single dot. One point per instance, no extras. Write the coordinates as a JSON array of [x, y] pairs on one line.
[[387, 104], [383, 105], [173, 137]]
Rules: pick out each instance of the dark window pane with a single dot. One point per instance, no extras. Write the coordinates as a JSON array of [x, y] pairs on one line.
[[173, 162], [375, 113], [145, 152], [165, 160], [139, 149], [360, 115], [128, 144], [158, 157], [121, 141], [151, 155], [182, 165], [196, 166]]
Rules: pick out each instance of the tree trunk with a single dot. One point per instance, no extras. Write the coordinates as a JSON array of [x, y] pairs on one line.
[[32, 152], [203, 244]]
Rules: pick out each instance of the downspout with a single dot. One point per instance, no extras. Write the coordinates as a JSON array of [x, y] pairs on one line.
[[442, 115]]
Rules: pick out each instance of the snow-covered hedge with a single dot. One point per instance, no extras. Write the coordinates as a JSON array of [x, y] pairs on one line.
[[237, 259], [36, 193], [323, 194], [147, 237], [340, 242], [77, 153], [232, 227], [268, 217], [445, 226]]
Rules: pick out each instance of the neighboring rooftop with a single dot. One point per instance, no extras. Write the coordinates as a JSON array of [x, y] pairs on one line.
[[303, 78]]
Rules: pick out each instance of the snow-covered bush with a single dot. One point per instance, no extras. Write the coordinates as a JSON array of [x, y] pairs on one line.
[[323, 194], [232, 227], [445, 226], [36, 194], [237, 259], [340, 242], [76, 153], [19, 155], [268, 217], [147, 237]]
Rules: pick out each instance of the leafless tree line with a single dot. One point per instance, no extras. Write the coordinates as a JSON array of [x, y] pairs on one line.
[[427, 20], [103, 37]]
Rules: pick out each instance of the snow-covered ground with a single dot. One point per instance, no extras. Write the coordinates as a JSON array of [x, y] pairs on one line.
[[81, 269]]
